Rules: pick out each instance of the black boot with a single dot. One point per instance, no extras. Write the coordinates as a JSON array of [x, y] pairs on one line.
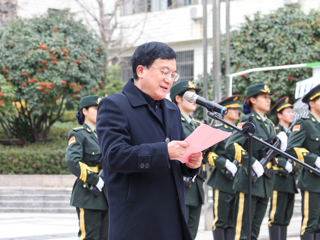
[[219, 234], [274, 232], [229, 234], [317, 236], [308, 237], [283, 232]]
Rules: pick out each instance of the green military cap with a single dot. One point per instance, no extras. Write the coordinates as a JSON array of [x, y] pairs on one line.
[[312, 94], [230, 102], [88, 101], [258, 88], [181, 87], [281, 104]]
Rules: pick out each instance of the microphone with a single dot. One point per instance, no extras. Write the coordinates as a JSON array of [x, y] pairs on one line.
[[211, 106]]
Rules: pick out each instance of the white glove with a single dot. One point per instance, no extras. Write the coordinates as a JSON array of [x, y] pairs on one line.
[[257, 168], [284, 140], [231, 167], [288, 167], [100, 184], [317, 163]]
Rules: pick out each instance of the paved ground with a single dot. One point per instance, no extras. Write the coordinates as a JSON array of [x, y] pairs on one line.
[[45, 226]]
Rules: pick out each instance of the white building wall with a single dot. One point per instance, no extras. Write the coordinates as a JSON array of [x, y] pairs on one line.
[[173, 26]]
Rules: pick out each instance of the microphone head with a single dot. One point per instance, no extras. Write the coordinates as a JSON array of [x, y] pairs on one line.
[[224, 111], [190, 96]]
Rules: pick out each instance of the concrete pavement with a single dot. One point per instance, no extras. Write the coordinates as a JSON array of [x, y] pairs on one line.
[[53, 226]]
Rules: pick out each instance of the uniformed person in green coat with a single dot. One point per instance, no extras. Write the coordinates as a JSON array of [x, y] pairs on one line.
[[223, 194], [194, 193], [304, 144], [257, 104], [83, 159], [282, 200]]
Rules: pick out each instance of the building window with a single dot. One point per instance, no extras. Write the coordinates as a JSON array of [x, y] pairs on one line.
[[126, 69], [185, 65], [140, 6], [8, 9]]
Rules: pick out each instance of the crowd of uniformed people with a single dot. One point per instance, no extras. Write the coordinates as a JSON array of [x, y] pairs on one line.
[[275, 180]]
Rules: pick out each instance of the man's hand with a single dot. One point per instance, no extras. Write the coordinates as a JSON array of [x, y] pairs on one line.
[[194, 160], [257, 167], [100, 184], [231, 167], [176, 149], [284, 140]]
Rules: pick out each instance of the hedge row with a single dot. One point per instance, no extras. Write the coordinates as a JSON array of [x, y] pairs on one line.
[[41, 158]]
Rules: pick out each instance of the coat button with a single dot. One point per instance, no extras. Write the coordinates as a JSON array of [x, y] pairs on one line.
[[84, 185], [167, 140], [146, 165], [141, 165], [92, 153]]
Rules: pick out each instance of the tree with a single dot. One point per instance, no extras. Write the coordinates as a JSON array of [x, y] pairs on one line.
[[285, 36], [114, 82], [49, 62], [103, 18]]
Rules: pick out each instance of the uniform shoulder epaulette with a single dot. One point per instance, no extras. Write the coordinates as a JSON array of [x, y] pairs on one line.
[[305, 117], [78, 129], [198, 122]]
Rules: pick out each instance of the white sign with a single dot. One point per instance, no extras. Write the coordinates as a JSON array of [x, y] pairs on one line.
[[305, 86]]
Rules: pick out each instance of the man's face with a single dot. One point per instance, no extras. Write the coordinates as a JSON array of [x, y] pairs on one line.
[[286, 116], [152, 81], [233, 114], [315, 107]]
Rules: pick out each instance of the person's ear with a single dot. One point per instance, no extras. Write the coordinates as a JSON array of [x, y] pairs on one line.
[[84, 111], [253, 100], [178, 99], [140, 71], [311, 104]]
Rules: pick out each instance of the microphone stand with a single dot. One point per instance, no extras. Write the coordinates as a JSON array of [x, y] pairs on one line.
[[248, 130]]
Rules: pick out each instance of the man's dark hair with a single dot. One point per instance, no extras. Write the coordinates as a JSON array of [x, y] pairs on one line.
[[147, 53]]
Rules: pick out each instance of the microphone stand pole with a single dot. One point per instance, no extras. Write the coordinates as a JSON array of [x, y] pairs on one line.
[[248, 130]]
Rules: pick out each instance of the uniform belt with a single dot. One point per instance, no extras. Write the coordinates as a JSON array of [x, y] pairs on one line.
[[95, 169], [276, 168]]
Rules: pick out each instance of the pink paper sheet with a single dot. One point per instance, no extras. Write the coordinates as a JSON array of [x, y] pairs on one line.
[[202, 138]]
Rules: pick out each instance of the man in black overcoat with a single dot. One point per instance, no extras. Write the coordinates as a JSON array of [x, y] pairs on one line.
[[140, 135]]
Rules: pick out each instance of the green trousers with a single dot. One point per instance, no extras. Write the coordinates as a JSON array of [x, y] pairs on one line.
[[193, 218], [258, 210], [223, 209], [93, 224], [281, 208], [310, 209]]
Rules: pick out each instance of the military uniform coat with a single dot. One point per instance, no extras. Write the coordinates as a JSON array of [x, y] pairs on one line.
[[195, 194], [145, 189], [281, 183], [304, 144], [82, 153], [237, 145], [218, 157]]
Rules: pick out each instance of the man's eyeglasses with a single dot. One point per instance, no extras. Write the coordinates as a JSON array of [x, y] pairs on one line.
[[168, 74]]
